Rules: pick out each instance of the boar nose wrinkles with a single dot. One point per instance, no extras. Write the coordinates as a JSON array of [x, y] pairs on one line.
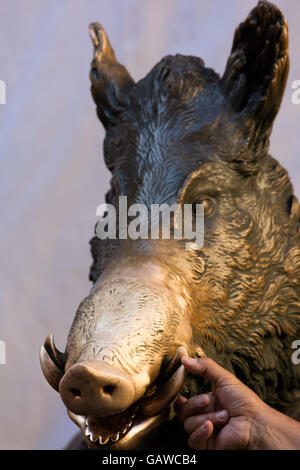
[[114, 354]]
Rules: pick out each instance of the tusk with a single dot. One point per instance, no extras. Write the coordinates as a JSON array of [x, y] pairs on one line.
[[77, 419], [52, 362], [57, 356], [167, 393], [176, 360]]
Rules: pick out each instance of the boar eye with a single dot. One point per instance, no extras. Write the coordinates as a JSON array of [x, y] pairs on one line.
[[208, 205]]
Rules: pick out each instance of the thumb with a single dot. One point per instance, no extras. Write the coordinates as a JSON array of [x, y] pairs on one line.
[[210, 370]]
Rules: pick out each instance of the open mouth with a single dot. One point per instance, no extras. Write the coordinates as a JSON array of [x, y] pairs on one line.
[[100, 433], [126, 430], [110, 429]]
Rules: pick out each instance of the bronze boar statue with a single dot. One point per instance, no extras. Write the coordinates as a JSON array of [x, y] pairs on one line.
[[185, 135]]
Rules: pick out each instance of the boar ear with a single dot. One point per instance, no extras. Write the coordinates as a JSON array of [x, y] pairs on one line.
[[110, 80], [257, 70]]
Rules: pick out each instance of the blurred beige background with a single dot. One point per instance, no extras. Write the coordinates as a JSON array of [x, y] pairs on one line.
[[53, 176]]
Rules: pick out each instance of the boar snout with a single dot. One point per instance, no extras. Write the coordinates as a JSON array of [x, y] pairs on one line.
[[96, 388], [122, 363]]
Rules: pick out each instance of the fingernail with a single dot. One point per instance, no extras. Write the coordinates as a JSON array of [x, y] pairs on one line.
[[204, 426], [201, 400], [221, 415]]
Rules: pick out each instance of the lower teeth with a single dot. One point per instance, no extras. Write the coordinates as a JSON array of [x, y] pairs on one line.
[[104, 439], [116, 437]]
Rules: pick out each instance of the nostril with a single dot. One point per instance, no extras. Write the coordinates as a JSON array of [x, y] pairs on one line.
[[75, 392], [108, 389], [96, 388]]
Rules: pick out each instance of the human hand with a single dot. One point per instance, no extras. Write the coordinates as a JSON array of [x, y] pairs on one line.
[[232, 416]]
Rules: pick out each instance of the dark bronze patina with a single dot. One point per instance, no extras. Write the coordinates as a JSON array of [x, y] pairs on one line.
[[183, 134]]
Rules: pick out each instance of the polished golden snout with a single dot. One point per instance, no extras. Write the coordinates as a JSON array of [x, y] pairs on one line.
[[97, 388]]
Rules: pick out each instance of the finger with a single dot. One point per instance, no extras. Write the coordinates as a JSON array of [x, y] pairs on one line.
[[218, 418], [209, 369], [178, 404], [198, 404], [198, 440]]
